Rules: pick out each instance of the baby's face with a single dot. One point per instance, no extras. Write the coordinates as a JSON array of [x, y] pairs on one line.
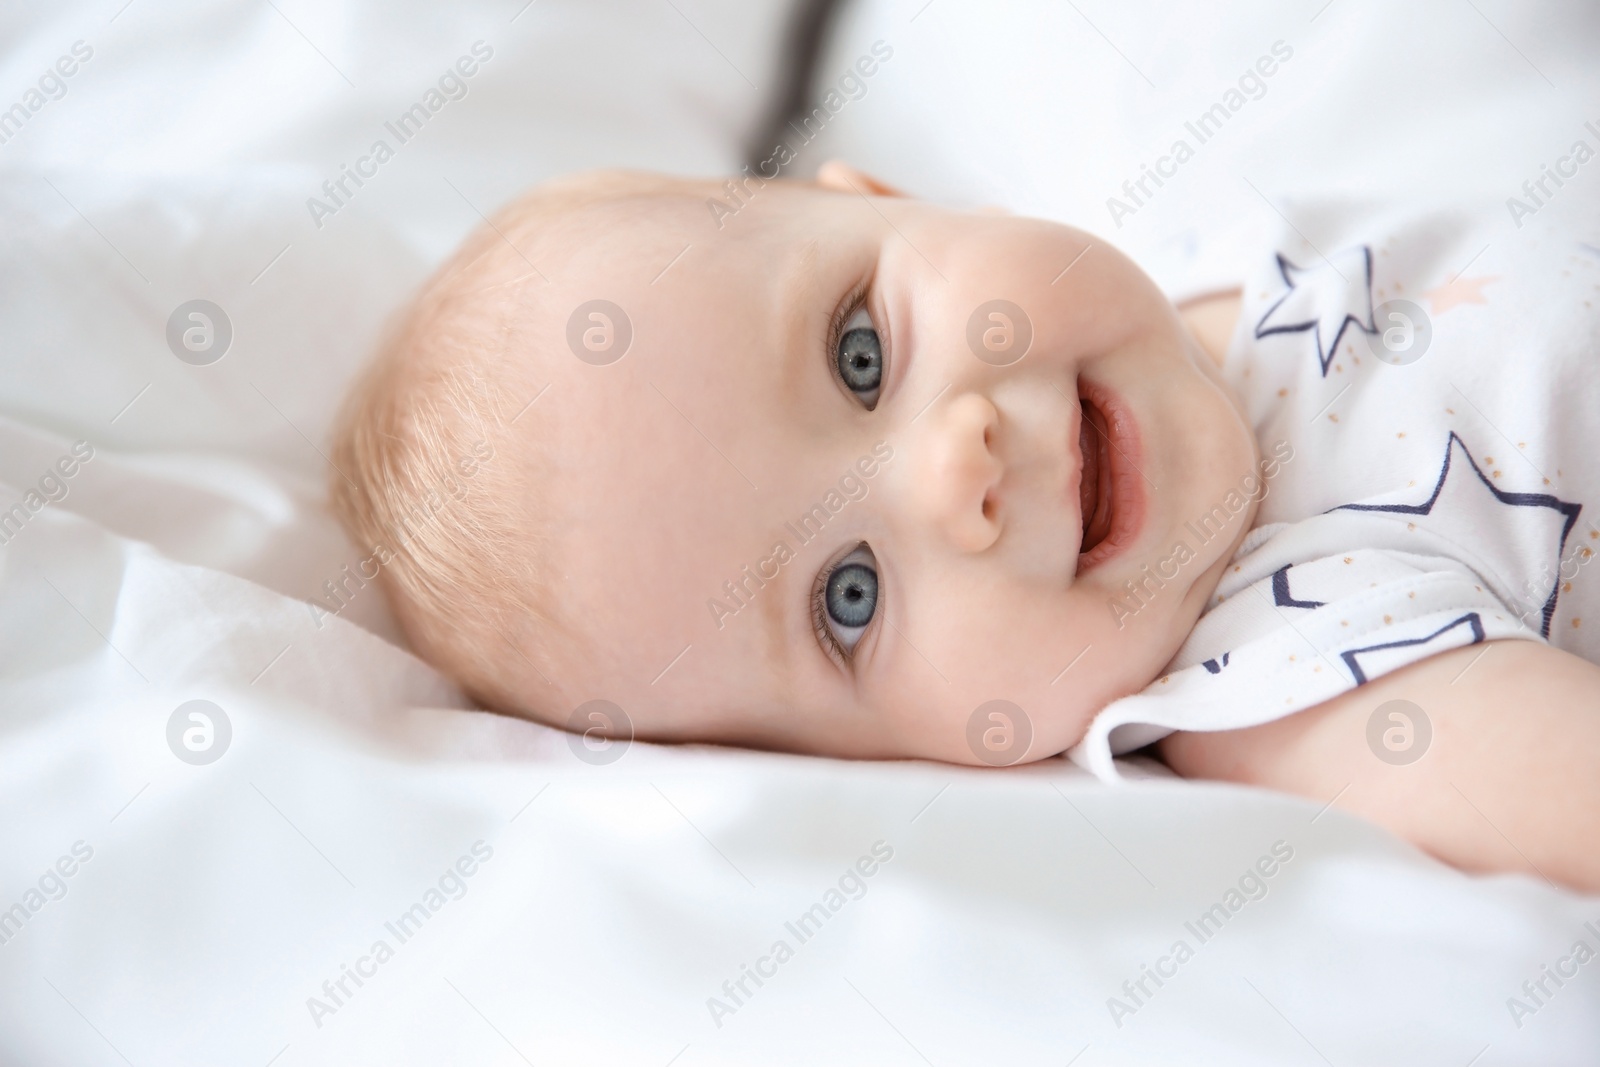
[[867, 465]]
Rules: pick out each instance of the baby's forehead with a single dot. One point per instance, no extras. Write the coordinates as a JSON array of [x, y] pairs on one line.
[[650, 280], [625, 233]]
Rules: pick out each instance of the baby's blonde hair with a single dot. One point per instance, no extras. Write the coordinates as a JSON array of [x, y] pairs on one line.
[[439, 475], [430, 481]]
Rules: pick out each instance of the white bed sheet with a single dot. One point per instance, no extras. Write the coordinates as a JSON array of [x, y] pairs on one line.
[[618, 899], [1057, 109]]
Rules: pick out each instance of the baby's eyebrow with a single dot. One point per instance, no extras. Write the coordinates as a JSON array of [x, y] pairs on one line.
[[807, 254], [799, 296]]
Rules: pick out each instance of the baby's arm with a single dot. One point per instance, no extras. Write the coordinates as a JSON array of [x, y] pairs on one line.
[[1510, 781]]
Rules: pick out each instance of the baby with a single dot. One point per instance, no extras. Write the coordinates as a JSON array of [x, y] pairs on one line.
[[814, 466]]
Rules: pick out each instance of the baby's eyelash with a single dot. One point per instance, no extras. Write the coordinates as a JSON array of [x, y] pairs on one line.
[[841, 315], [819, 619]]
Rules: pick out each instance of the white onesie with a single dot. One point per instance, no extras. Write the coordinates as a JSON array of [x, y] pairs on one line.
[[1443, 495]]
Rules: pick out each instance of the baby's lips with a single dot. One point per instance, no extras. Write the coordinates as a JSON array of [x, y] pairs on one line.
[[1119, 501], [1076, 441], [1088, 473], [1097, 491]]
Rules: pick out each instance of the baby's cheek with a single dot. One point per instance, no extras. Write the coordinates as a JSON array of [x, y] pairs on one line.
[[1008, 664]]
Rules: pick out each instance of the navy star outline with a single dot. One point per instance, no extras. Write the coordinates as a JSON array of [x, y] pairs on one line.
[[1542, 500], [1470, 618], [1324, 354], [1280, 591]]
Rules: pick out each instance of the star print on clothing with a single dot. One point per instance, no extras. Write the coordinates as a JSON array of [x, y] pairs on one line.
[[1463, 497], [1213, 666], [1460, 291], [1324, 300], [1470, 620], [1280, 591]]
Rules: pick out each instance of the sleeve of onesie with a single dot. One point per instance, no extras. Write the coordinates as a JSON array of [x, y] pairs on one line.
[[1287, 636]]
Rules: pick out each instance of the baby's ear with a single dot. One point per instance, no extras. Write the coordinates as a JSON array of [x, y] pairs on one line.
[[841, 177]]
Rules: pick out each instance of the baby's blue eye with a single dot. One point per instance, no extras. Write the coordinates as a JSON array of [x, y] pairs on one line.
[[849, 599], [860, 358], [852, 595]]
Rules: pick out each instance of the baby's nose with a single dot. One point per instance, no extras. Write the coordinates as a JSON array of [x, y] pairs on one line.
[[957, 476]]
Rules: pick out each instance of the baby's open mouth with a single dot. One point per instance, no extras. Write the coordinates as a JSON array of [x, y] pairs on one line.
[[1094, 487], [1110, 492]]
